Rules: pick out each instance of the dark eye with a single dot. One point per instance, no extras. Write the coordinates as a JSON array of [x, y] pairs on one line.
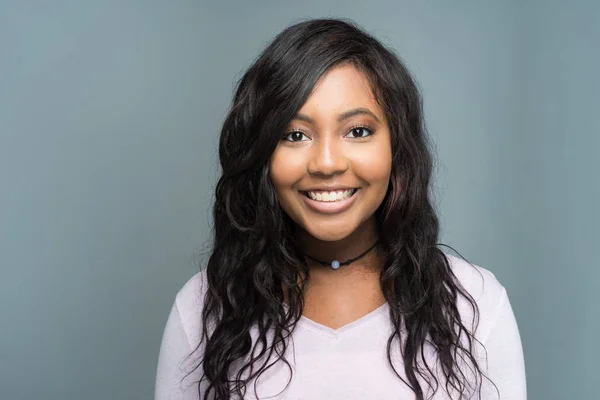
[[359, 132], [295, 136]]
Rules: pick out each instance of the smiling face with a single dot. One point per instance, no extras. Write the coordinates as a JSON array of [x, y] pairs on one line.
[[331, 169]]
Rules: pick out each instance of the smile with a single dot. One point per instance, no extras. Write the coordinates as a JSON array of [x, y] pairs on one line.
[[330, 196], [330, 201]]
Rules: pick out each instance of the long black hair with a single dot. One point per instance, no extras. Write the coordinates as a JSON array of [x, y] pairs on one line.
[[254, 251]]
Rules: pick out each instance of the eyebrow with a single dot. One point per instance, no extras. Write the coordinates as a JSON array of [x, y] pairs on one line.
[[342, 117]]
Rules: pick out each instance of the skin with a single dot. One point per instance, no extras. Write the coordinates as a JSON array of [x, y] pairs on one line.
[[320, 149]]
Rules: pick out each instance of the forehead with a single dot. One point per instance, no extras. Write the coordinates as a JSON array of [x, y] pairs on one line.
[[342, 88]]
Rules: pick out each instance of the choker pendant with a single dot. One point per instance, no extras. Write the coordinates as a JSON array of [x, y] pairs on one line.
[[335, 264]]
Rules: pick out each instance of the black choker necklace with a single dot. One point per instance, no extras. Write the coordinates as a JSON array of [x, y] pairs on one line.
[[335, 264]]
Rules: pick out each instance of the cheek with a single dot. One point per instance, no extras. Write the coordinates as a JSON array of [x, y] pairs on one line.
[[284, 171], [381, 182], [375, 167], [384, 160]]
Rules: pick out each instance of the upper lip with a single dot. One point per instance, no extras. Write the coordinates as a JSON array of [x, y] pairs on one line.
[[330, 188]]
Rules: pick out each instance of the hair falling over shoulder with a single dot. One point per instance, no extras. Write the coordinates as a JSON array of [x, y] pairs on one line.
[[254, 251]]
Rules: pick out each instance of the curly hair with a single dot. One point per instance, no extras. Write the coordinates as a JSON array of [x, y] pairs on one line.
[[254, 251]]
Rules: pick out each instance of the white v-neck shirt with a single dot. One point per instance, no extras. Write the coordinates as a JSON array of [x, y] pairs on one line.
[[350, 362]]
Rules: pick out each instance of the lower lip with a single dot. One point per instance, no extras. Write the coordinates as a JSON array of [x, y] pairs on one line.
[[330, 207]]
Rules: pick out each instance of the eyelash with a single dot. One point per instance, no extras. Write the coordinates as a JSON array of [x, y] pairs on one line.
[[365, 127]]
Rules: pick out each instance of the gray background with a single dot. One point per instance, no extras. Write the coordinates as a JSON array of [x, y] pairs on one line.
[[109, 118]]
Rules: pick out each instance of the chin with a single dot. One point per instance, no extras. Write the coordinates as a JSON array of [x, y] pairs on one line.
[[332, 234]]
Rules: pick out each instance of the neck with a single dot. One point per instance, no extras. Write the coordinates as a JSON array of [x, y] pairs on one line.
[[352, 284], [345, 249]]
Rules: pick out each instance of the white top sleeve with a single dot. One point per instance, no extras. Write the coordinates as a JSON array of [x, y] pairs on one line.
[[172, 380], [506, 367]]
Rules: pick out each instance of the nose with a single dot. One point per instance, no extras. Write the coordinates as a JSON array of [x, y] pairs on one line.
[[327, 157]]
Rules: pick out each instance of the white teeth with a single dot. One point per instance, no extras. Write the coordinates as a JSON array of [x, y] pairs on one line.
[[331, 196]]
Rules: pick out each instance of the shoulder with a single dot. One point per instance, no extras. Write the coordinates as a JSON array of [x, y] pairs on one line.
[[189, 302], [478, 281], [485, 289]]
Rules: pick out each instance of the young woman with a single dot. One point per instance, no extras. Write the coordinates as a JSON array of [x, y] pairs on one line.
[[325, 279]]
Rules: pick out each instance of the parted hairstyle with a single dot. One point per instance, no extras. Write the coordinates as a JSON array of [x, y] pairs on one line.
[[254, 250]]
